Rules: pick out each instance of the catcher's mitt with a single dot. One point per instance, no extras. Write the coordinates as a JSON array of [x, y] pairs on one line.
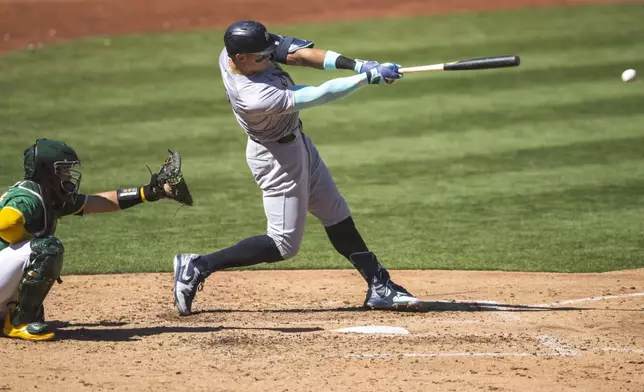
[[168, 182]]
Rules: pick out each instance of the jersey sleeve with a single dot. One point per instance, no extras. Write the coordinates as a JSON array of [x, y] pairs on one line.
[[75, 208], [12, 226], [264, 99], [311, 96], [15, 215]]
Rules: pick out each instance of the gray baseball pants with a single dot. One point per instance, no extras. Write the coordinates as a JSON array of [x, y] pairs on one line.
[[294, 179]]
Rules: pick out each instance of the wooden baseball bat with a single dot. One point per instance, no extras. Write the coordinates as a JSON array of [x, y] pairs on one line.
[[466, 65]]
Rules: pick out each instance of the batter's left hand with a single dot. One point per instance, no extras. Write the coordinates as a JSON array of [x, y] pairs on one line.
[[365, 66], [385, 73]]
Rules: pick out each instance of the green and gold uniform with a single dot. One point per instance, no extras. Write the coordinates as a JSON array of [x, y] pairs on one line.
[[31, 257], [25, 214]]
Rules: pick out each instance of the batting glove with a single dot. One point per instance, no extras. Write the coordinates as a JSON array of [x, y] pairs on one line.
[[385, 73], [365, 66]]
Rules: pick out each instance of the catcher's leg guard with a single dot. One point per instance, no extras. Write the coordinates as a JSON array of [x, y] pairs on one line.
[[46, 262]]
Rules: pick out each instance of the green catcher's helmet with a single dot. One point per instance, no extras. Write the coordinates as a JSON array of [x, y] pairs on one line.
[[54, 165]]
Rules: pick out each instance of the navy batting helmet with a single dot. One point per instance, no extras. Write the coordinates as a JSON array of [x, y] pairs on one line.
[[249, 36]]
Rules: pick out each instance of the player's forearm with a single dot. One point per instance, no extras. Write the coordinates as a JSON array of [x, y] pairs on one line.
[[310, 96], [333, 60], [101, 202], [112, 201], [320, 59], [307, 57]]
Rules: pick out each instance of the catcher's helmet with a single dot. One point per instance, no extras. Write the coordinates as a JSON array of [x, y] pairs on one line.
[[249, 36], [55, 166]]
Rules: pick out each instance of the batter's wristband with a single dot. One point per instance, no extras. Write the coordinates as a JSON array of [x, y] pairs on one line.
[[329, 60], [345, 63]]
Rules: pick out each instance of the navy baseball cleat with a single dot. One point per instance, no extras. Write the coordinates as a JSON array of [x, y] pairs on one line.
[[390, 296], [187, 280]]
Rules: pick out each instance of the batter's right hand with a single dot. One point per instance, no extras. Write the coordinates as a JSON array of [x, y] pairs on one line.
[[385, 73]]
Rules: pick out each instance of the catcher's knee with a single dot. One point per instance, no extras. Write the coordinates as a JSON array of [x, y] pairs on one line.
[[47, 257], [45, 265]]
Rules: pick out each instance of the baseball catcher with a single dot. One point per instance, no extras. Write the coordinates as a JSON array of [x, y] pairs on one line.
[[285, 163], [31, 257]]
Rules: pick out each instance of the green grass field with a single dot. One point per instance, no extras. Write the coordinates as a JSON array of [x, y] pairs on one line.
[[537, 168]]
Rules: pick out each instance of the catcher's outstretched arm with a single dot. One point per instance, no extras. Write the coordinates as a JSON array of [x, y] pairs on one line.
[[102, 202], [112, 201], [168, 183]]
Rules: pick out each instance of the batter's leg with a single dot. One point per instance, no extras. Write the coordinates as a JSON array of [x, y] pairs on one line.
[[281, 171], [328, 205], [346, 239]]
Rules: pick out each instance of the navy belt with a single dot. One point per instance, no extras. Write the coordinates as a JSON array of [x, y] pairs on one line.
[[283, 140]]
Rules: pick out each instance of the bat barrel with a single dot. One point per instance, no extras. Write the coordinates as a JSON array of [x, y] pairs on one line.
[[483, 63]]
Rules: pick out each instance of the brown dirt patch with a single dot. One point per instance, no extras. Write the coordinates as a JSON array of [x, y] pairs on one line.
[[273, 330], [41, 22]]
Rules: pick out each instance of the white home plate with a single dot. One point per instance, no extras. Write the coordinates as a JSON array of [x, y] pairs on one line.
[[374, 329]]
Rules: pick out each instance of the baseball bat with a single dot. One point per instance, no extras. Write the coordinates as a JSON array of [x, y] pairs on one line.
[[466, 65]]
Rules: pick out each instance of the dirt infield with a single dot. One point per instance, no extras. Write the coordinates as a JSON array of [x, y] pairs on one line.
[[274, 330]]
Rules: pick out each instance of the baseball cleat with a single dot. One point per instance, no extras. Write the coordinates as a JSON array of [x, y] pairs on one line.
[[187, 280], [36, 331], [391, 296]]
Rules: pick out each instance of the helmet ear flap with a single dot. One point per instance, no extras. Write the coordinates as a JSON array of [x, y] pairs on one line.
[[42, 168], [34, 159], [30, 162]]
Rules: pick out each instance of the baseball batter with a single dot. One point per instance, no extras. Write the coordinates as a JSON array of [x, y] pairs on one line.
[[285, 163], [31, 257]]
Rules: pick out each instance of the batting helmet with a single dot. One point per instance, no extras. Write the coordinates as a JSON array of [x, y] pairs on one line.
[[249, 36]]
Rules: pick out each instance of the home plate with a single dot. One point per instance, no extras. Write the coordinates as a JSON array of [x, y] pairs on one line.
[[374, 329]]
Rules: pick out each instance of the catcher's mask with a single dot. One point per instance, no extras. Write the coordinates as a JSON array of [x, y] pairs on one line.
[[55, 166], [249, 37]]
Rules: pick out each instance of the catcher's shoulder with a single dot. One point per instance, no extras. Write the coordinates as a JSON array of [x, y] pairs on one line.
[[25, 188], [27, 196]]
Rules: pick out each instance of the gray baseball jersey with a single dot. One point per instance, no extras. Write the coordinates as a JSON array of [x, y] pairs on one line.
[[262, 103], [292, 176]]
